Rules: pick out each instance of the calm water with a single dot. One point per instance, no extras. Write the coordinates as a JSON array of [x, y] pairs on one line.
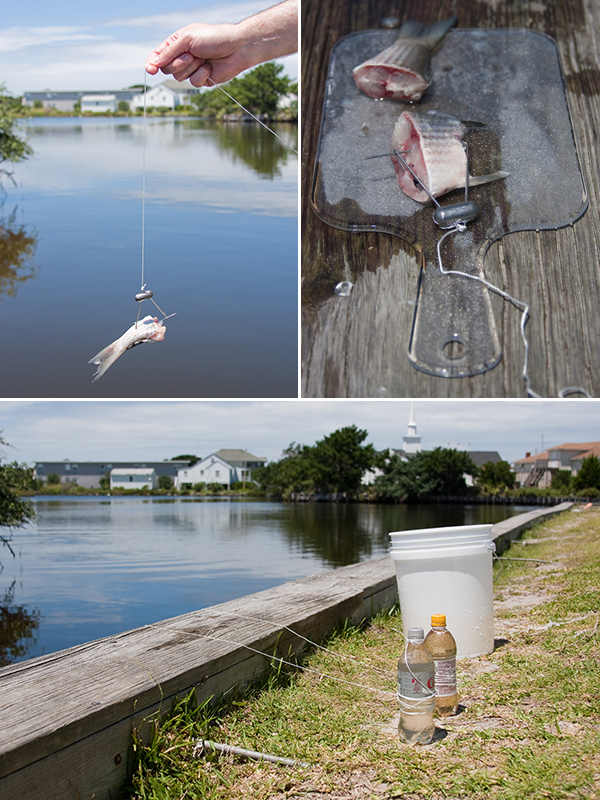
[[91, 567], [221, 251]]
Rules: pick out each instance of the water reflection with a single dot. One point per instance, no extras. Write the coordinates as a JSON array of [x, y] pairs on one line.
[[19, 628], [17, 248], [98, 566], [221, 249], [265, 154]]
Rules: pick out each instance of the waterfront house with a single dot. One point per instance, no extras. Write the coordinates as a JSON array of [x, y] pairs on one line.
[[168, 94], [224, 467], [89, 473], [537, 470]]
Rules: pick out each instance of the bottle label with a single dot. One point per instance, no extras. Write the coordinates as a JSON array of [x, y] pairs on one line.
[[445, 677], [421, 683]]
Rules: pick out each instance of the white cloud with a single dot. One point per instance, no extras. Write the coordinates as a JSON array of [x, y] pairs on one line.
[[172, 20], [123, 430], [109, 55]]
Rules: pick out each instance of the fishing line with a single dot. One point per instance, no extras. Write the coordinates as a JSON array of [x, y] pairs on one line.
[[460, 226], [218, 86], [307, 640], [145, 294], [276, 658]]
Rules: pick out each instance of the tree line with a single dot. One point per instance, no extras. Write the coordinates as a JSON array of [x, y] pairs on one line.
[[337, 464]]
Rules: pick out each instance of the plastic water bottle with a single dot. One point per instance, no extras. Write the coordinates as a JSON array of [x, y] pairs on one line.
[[416, 690], [442, 647]]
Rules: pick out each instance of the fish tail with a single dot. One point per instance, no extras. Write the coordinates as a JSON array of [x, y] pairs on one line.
[[479, 180], [105, 359], [431, 35]]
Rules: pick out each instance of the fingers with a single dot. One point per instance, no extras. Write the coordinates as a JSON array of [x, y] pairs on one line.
[[176, 45], [201, 75]]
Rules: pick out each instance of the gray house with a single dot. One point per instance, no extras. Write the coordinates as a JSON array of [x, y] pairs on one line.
[[89, 473]]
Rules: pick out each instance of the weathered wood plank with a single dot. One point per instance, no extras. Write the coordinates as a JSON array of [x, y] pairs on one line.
[[67, 716], [66, 719], [357, 346]]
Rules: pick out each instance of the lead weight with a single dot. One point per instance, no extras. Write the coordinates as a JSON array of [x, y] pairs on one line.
[[448, 216], [144, 295]]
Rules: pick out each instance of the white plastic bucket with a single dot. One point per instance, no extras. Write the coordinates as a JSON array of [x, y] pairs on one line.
[[448, 571]]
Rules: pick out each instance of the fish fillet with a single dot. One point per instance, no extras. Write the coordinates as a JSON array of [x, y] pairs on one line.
[[401, 72]]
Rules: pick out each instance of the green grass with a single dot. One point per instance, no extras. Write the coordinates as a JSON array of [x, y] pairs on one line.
[[528, 727]]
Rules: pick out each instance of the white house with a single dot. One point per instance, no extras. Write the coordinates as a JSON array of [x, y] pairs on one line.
[[211, 469], [224, 466], [98, 103], [168, 94], [132, 478]]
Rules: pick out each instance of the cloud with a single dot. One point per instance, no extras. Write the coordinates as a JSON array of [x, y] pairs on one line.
[[13, 40], [123, 430], [108, 54], [172, 20]]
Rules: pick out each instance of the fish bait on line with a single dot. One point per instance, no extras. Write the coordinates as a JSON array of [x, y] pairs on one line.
[[401, 72], [436, 156], [148, 329]]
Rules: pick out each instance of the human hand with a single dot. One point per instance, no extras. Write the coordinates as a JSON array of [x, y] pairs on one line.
[[199, 52]]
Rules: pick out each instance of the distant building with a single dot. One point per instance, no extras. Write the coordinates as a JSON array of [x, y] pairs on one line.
[[224, 467], [98, 103], [537, 470], [89, 473], [411, 444], [169, 94], [133, 478]]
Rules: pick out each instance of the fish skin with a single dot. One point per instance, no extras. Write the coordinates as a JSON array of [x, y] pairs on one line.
[[436, 155], [401, 71], [146, 330]]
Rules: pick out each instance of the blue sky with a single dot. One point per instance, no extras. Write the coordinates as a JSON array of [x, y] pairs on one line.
[[72, 45], [155, 430]]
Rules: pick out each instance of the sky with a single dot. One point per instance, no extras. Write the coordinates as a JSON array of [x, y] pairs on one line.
[[70, 45], [157, 430]]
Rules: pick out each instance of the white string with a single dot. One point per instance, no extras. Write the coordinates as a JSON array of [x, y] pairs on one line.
[[277, 658], [343, 656], [460, 227], [253, 117], [144, 179]]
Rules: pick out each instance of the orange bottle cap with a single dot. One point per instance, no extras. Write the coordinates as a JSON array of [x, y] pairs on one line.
[[438, 620]]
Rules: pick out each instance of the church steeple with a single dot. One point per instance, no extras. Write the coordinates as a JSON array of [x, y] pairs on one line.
[[411, 443]]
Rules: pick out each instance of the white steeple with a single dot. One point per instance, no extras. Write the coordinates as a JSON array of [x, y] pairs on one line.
[[411, 443]]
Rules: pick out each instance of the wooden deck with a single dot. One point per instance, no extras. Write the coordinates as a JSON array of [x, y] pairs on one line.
[[357, 346], [66, 718]]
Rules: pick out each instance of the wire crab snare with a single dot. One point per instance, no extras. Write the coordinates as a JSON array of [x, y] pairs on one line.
[[510, 82]]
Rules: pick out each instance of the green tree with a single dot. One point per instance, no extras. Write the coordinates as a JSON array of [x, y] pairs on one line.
[[53, 479], [588, 476], [165, 482], [123, 105], [104, 482], [439, 471], [13, 147], [562, 480], [341, 460], [259, 90], [14, 510], [296, 471], [496, 475]]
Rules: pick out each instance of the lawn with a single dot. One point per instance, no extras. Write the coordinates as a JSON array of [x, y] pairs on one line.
[[528, 724]]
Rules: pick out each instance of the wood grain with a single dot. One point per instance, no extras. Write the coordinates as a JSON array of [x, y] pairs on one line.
[[357, 346]]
